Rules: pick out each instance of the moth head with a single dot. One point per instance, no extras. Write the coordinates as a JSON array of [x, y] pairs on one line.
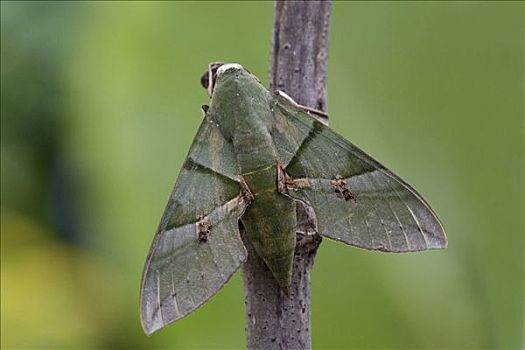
[[209, 77], [215, 70], [223, 71]]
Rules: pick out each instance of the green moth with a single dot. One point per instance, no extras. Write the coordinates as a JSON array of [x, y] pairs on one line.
[[255, 156]]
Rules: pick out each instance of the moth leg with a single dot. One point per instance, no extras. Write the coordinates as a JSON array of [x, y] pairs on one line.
[[286, 183], [246, 192], [282, 177], [317, 114], [238, 204], [306, 218]]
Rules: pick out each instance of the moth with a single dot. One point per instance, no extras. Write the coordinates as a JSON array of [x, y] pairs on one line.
[[255, 156]]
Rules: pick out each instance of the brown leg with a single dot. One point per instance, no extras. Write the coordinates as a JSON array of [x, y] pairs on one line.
[[314, 111], [317, 114], [246, 191]]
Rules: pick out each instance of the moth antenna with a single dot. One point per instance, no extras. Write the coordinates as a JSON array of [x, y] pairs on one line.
[[210, 80], [209, 77]]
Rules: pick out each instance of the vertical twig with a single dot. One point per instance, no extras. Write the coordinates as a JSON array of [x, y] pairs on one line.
[[298, 67]]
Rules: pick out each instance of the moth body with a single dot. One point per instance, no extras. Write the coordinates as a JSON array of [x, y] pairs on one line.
[[243, 108]]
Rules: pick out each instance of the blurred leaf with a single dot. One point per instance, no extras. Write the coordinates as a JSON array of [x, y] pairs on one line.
[[53, 295]]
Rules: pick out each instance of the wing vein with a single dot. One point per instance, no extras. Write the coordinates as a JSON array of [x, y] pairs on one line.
[[412, 214], [368, 175], [420, 229], [401, 227], [174, 295], [159, 306], [397, 218]]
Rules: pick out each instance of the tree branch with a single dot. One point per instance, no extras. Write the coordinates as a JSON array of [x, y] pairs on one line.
[[298, 67]]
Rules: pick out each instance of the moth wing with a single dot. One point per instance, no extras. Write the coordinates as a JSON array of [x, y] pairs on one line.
[[182, 271], [356, 200]]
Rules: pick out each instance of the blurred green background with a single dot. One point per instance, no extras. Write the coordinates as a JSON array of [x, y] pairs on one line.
[[100, 102]]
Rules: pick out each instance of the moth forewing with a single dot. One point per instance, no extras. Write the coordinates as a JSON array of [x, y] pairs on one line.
[[197, 247]]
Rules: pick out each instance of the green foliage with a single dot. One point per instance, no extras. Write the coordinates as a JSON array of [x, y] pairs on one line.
[[100, 101]]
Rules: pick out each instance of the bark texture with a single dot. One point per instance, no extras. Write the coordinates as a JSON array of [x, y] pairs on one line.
[[298, 67]]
